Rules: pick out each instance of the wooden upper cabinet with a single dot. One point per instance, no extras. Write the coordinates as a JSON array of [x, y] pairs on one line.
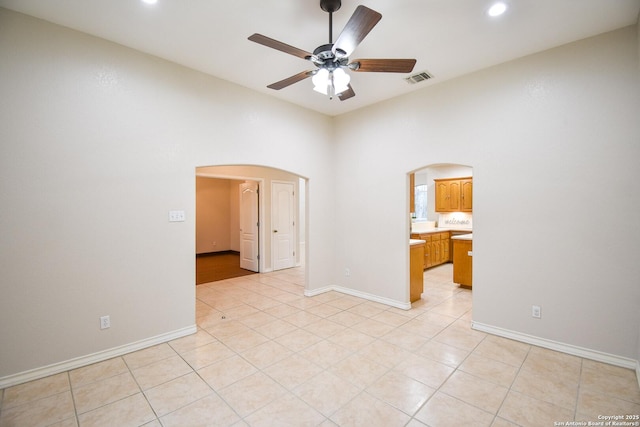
[[454, 194], [442, 196], [466, 192]]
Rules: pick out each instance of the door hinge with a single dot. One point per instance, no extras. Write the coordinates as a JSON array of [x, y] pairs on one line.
[[294, 253], [258, 256]]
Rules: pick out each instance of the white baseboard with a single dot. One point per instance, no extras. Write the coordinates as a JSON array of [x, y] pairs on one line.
[[596, 355], [314, 292], [363, 295], [89, 359]]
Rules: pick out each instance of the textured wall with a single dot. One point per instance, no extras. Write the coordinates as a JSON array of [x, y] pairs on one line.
[[97, 144], [553, 142]]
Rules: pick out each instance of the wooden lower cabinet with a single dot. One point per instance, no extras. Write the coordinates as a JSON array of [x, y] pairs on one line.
[[445, 245], [462, 262], [427, 250], [416, 262], [437, 249]]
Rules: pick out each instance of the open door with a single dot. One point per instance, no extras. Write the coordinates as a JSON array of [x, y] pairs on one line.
[[249, 226]]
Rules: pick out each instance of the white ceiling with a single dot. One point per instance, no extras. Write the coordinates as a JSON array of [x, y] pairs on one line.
[[448, 38]]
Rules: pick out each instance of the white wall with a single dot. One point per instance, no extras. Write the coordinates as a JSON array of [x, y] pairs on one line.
[[553, 140], [638, 353], [97, 143], [214, 214]]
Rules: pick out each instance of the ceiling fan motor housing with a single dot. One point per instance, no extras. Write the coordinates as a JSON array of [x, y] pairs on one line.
[[330, 5], [324, 57]]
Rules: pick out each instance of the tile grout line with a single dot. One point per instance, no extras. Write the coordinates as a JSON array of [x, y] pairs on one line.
[[515, 377], [271, 339], [575, 410], [141, 390], [73, 398], [325, 339], [237, 353], [450, 375]]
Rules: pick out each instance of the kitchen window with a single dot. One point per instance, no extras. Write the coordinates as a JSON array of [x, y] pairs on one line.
[[420, 192]]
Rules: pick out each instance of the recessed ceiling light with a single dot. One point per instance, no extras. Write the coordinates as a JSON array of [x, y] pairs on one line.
[[497, 9], [149, 1]]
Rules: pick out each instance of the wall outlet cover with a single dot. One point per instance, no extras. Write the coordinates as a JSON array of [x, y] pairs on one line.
[[536, 312], [105, 322]]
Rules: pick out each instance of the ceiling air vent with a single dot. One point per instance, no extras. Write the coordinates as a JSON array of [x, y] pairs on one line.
[[417, 78]]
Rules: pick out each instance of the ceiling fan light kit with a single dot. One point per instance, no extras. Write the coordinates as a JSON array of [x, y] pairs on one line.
[[332, 59], [331, 82]]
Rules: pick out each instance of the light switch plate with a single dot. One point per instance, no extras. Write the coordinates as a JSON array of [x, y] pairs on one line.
[[176, 216]]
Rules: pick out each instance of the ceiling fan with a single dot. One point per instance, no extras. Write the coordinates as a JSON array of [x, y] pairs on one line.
[[332, 59]]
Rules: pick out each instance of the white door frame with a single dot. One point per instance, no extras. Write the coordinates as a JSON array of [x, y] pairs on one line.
[[261, 230]]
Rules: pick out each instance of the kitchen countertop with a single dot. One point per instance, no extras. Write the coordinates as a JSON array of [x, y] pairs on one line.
[[416, 242], [440, 229], [463, 237]]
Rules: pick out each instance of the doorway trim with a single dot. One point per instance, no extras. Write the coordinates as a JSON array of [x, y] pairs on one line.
[[409, 219]]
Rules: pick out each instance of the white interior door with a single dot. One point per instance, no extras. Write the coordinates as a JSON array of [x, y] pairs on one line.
[[283, 236], [249, 226]]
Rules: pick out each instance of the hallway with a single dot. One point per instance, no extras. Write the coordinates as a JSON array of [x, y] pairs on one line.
[[219, 266]]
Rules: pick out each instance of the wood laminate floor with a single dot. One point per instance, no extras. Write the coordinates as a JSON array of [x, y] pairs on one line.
[[218, 266]]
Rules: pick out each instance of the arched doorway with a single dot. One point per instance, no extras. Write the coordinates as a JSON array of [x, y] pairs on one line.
[[270, 250], [439, 220]]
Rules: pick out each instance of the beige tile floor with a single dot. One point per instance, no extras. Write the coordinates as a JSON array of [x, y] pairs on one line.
[[265, 355]]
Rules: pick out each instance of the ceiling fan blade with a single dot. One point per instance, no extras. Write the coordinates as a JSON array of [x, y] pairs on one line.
[[291, 80], [282, 47], [361, 22], [349, 93], [383, 65]]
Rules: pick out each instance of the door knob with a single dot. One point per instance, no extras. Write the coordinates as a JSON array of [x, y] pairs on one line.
[[275, 231]]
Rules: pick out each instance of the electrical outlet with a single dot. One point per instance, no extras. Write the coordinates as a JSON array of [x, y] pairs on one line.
[[347, 272], [535, 311], [105, 322]]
